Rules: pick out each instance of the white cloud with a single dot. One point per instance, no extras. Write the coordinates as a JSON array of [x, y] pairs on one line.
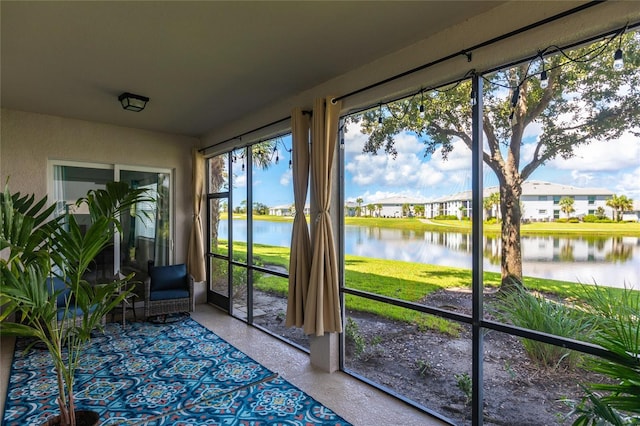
[[354, 140], [285, 178], [533, 130], [240, 181], [602, 155], [629, 184], [458, 159]]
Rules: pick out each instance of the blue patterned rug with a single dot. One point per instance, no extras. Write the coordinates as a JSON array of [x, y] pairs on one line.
[[162, 374]]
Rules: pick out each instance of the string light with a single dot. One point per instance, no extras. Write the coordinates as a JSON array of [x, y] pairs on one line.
[[543, 76], [544, 80], [618, 62]]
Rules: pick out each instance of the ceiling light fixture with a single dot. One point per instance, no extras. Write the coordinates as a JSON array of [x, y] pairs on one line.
[[132, 102]]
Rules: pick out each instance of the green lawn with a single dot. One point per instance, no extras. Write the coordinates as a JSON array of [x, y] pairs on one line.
[[629, 229], [400, 280], [413, 281]]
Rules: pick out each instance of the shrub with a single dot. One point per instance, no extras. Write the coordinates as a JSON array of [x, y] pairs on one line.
[[353, 335], [464, 383], [590, 218], [573, 220], [535, 312], [446, 217], [617, 329]]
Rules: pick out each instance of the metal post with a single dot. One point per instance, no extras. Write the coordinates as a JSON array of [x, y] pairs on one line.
[[476, 263]]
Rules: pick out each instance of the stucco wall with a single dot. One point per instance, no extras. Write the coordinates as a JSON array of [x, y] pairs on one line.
[[28, 141]]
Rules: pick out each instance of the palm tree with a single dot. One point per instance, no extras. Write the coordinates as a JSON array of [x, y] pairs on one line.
[[490, 202], [371, 208], [620, 204], [359, 201], [379, 209], [406, 210], [566, 205], [41, 250]]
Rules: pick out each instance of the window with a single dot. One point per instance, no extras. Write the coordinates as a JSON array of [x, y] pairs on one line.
[[592, 199], [410, 286], [389, 257], [250, 224]]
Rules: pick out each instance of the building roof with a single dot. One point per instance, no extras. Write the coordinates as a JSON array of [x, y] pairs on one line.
[[399, 200], [531, 188], [536, 187]]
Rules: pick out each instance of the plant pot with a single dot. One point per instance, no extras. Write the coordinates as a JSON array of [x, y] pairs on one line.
[[83, 418]]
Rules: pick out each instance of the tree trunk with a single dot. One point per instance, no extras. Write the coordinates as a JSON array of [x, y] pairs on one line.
[[511, 263]]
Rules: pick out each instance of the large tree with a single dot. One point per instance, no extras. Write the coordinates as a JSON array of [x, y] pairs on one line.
[[585, 100]]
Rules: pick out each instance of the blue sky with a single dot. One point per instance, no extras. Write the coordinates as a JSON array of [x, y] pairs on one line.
[[614, 165]]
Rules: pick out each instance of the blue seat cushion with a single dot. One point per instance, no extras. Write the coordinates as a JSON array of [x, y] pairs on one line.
[[58, 285], [172, 277], [169, 294]]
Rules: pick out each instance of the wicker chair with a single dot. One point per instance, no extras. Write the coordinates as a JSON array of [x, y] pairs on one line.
[[168, 290]]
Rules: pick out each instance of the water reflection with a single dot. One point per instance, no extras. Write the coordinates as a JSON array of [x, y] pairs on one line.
[[612, 261]]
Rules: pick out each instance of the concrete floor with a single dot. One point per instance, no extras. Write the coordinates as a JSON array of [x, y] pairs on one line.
[[355, 401]]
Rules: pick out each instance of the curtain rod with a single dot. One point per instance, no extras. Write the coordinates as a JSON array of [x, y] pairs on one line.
[[468, 51], [273, 123], [507, 65]]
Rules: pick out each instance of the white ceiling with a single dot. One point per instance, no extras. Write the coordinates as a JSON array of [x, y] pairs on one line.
[[202, 64]]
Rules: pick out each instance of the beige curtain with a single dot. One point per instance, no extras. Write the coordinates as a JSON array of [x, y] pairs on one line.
[[322, 309], [300, 259], [195, 253]]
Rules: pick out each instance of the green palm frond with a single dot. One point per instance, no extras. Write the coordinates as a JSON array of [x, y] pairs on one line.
[[41, 249], [115, 199]]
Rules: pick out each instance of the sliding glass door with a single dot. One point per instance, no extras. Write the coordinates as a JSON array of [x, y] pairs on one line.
[[146, 238]]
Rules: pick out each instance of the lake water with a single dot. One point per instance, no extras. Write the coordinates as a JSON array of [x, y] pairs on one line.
[[611, 261]]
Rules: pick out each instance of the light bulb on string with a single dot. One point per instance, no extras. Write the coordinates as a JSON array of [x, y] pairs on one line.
[[380, 115], [421, 109], [618, 61], [544, 79]]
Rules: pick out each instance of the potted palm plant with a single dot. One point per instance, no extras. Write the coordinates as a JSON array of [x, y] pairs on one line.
[[43, 263]]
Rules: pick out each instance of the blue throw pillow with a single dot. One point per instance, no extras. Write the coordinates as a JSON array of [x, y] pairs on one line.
[[171, 277]]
